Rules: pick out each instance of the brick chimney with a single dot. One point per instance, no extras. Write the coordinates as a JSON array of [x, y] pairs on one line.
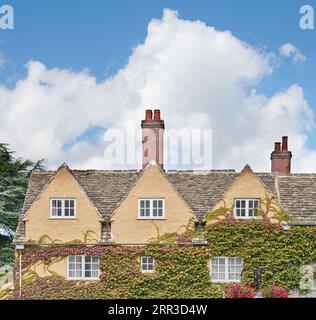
[[152, 142], [281, 157]]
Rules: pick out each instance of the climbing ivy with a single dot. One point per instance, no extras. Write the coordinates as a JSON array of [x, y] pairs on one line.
[[279, 254], [180, 272]]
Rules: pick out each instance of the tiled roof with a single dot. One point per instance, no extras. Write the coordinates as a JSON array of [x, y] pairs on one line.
[[297, 194], [37, 182], [200, 189], [106, 189]]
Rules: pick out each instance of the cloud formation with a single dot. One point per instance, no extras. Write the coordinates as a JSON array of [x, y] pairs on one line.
[[198, 76], [290, 51]]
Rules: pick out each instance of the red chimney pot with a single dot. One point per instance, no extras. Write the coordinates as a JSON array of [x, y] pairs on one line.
[[284, 143], [277, 146], [149, 114], [157, 115]]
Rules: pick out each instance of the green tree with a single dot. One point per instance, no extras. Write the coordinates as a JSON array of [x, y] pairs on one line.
[[14, 174]]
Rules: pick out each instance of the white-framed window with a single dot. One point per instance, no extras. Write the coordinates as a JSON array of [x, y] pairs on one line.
[[81, 267], [147, 264], [246, 208], [62, 208], [151, 208], [226, 269]]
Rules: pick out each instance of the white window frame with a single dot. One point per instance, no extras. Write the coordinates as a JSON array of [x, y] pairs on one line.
[[141, 264], [226, 280], [246, 208], [62, 208], [151, 206], [83, 265]]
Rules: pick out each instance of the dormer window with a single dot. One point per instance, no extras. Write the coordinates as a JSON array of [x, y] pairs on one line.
[[62, 208], [246, 208], [151, 208]]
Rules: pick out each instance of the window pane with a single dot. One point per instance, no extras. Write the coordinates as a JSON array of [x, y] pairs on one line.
[[155, 208], [143, 211], [226, 269], [221, 276], [74, 267], [147, 263], [87, 258], [147, 208], [56, 207], [91, 266]]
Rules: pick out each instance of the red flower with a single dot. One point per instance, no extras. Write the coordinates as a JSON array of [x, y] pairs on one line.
[[240, 291]]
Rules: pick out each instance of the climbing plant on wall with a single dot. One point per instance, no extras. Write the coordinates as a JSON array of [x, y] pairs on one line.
[[180, 272], [279, 254]]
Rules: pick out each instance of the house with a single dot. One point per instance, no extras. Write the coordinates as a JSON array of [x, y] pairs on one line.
[[157, 233]]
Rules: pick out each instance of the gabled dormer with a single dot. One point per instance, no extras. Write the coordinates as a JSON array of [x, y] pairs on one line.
[[151, 208], [62, 212], [247, 198]]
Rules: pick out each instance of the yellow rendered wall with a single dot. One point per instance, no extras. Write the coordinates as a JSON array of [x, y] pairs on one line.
[[39, 223], [246, 186], [127, 228]]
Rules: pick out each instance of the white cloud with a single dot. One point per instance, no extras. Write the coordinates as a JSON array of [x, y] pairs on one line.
[[196, 75], [290, 51]]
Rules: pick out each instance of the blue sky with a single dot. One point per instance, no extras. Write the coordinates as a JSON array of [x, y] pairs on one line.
[[100, 36]]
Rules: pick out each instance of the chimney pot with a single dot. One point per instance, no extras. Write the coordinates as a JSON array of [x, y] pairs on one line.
[[157, 115], [284, 143], [277, 146], [149, 114]]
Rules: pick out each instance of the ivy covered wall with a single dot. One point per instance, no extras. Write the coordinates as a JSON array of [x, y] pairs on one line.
[[279, 254], [181, 271]]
